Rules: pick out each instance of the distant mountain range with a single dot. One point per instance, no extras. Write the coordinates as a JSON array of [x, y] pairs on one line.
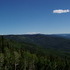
[[62, 35], [54, 41]]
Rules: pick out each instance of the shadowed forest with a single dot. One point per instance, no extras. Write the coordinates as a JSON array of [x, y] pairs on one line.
[[15, 55]]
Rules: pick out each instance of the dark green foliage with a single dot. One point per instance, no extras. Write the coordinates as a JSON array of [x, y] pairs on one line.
[[55, 42], [25, 56]]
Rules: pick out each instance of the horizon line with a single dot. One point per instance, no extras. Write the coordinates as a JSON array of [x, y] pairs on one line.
[[34, 34]]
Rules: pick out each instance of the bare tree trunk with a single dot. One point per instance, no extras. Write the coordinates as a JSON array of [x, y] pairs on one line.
[[16, 66], [25, 65]]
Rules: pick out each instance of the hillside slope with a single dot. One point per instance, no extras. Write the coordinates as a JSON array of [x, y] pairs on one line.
[[19, 55], [46, 41]]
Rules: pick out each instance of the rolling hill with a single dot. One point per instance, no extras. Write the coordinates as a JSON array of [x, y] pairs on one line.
[[46, 41], [34, 52]]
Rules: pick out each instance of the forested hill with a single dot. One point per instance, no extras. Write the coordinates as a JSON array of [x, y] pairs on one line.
[[46, 41], [34, 52]]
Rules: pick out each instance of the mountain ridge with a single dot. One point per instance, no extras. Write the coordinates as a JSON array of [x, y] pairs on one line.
[[47, 41]]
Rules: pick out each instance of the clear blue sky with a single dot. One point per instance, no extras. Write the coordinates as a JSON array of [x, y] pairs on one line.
[[30, 16]]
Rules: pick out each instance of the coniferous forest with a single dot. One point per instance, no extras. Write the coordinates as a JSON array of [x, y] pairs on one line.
[[15, 55]]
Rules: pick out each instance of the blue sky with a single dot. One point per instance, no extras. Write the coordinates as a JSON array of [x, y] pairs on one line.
[[34, 16]]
